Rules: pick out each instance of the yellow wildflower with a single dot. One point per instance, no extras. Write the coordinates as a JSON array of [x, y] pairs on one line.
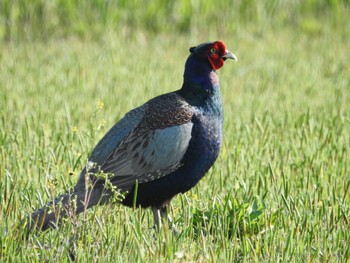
[[100, 104]]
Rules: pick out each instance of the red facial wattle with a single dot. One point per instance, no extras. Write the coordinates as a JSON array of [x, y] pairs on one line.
[[217, 51], [216, 61]]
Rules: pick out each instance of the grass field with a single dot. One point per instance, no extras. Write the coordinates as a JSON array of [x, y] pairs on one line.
[[279, 191]]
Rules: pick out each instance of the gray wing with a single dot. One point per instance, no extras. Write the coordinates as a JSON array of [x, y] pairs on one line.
[[155, 147], [112, 139]]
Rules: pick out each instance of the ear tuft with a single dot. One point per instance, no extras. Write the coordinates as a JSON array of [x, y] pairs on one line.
[[192, 49]]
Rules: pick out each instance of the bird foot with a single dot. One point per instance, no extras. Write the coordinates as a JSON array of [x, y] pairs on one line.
[[160, 214]]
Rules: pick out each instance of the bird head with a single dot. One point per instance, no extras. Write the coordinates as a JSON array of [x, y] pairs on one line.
[[213, 52]]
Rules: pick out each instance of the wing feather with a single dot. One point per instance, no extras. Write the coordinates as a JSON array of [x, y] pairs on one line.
[[155, 147]]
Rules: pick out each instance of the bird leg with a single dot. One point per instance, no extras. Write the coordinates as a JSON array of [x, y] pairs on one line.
[[160, 214]]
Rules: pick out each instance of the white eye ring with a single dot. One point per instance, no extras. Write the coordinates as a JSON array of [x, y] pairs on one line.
[[213, 50]]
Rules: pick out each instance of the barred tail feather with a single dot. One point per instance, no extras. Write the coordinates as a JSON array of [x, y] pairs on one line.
[[64, 206]]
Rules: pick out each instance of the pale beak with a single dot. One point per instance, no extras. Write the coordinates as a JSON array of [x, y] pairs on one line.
[[230, 55]]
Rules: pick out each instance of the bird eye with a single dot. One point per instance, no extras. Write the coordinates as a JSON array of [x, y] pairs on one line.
[[213, 50]]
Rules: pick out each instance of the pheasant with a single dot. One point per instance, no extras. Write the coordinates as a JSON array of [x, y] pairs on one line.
[[156, 151]]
